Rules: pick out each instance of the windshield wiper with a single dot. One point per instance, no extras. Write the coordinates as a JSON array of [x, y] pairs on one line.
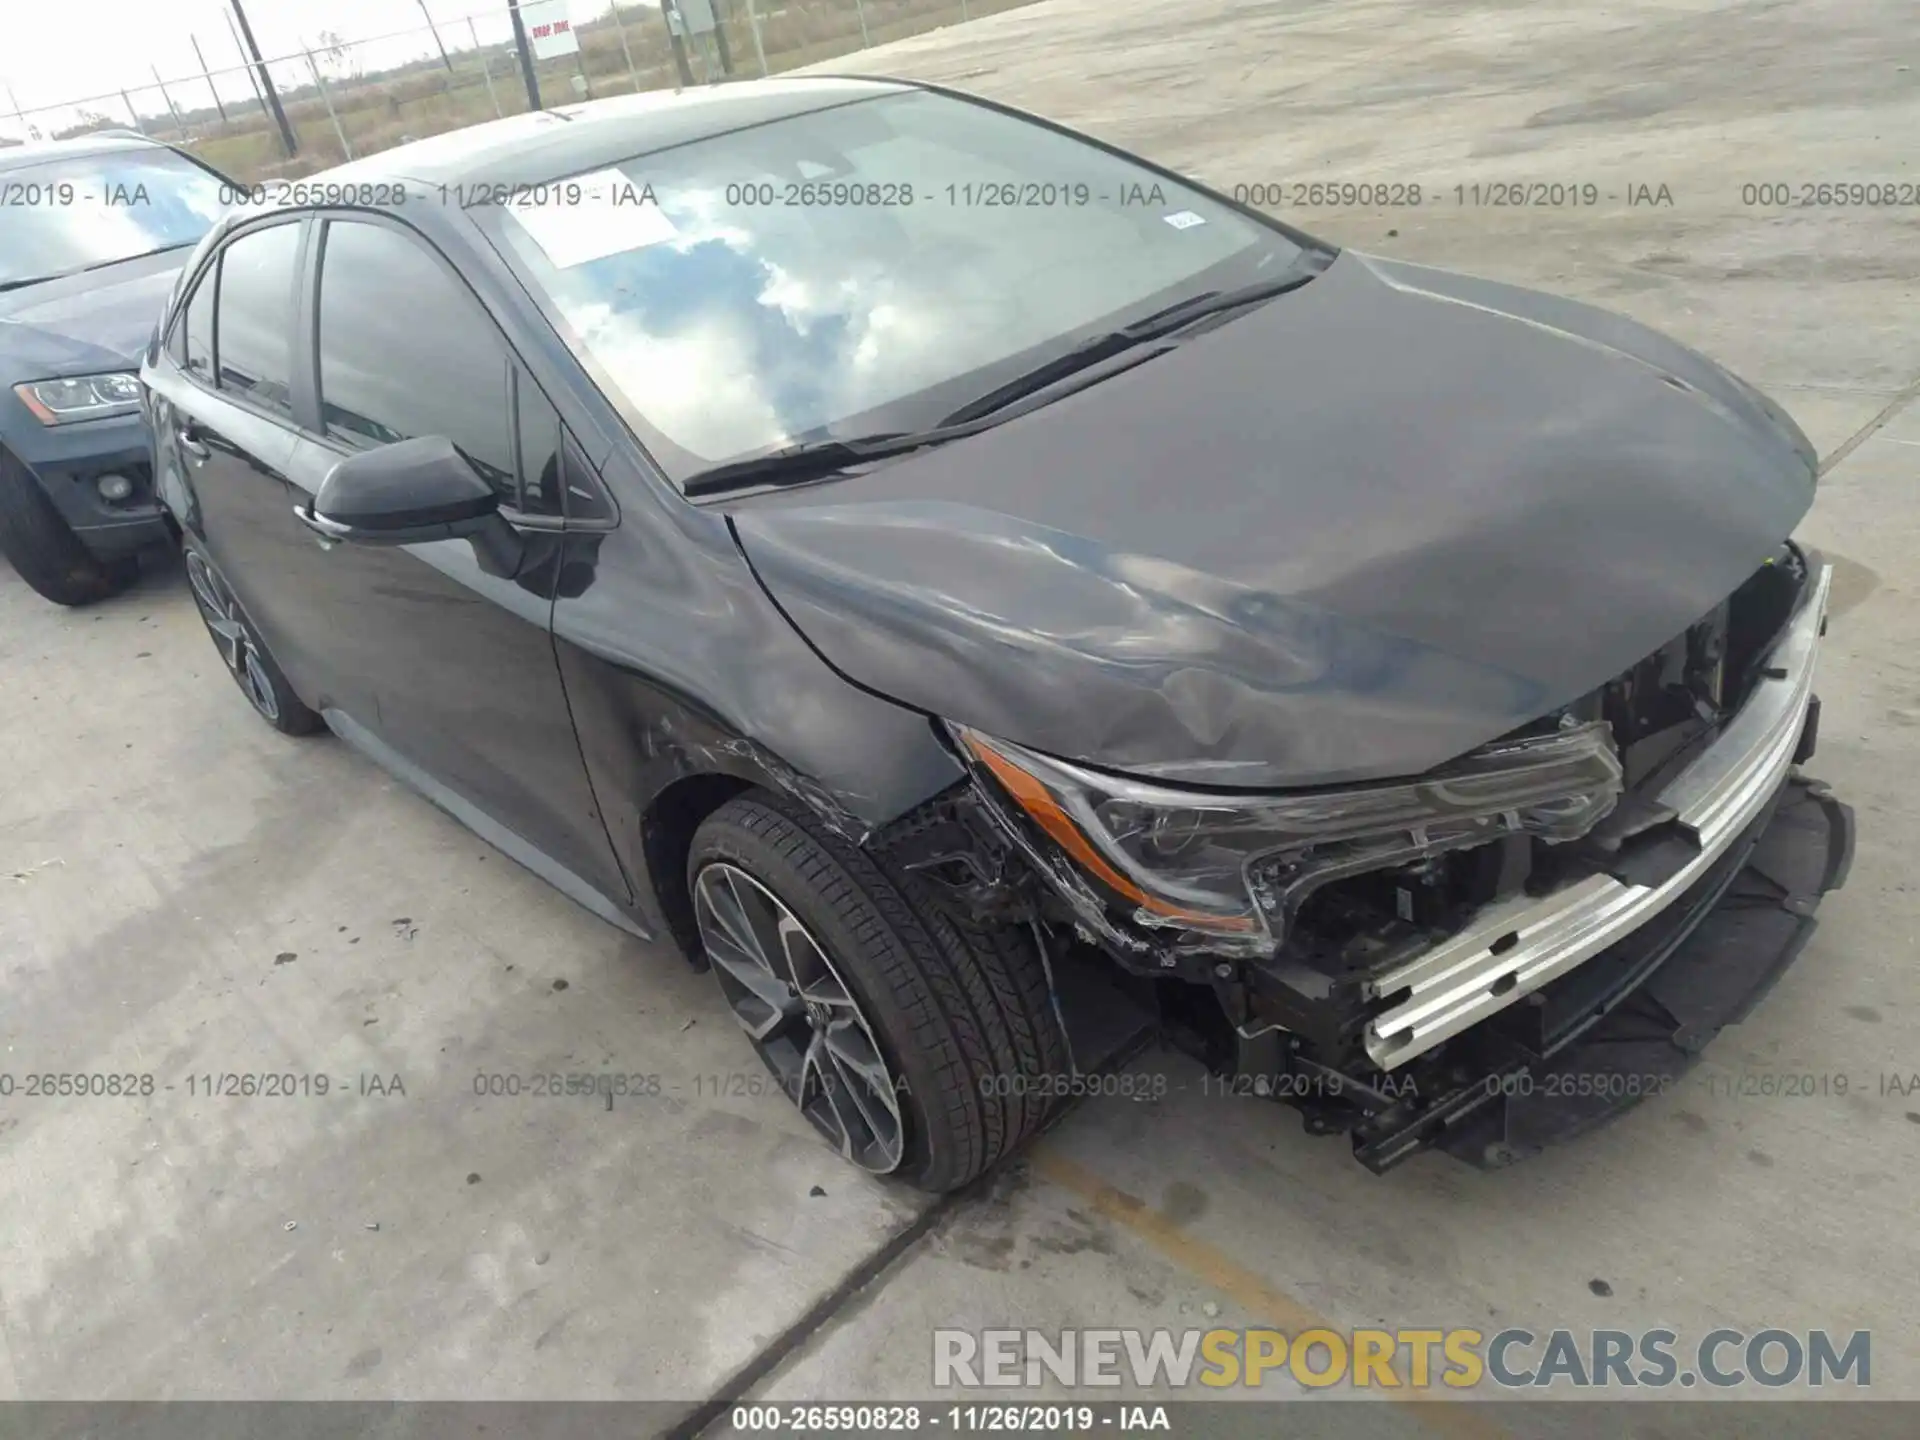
[[96, 265], [123, 259], [1158, 325], [810, 459]]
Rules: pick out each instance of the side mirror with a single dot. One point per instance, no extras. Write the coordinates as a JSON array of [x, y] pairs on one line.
[[409, 492]]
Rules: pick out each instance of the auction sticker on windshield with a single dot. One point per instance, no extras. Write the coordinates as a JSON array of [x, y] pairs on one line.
[[591, 217]]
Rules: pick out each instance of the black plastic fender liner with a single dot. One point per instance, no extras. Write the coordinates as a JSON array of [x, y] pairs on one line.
[[1680, 995]]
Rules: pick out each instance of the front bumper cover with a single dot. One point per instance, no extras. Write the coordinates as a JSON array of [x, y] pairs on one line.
[[66, 461]]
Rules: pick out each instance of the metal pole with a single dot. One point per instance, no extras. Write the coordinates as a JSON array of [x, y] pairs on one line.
[[720, 38], [212, 88], [963, 10], [759, 49], [580, 64], [625, 49], [436, 37], [172, 109], [486, 70], [668, 14], [132, 112], [287, 141], [866, 40], [326, 99], [526, 55], [252, 79]]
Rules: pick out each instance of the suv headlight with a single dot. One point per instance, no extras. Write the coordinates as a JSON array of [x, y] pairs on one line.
[[80, 397], [1237, 864]]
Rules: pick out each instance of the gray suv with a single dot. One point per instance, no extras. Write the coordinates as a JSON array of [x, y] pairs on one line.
[[92, 233]]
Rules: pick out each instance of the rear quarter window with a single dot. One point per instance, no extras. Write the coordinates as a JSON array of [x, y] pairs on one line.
[[195, 331]]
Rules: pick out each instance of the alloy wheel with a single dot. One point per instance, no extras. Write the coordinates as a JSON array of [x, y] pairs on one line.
[[802, 1019], [231, 636]]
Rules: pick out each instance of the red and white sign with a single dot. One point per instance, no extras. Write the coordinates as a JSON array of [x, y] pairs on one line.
[[549, 28]]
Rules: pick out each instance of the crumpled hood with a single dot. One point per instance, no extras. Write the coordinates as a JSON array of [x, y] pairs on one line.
[[1376, 522], [85, 324]]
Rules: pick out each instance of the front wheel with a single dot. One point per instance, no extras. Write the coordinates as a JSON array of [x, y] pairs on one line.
[[915, 1045]]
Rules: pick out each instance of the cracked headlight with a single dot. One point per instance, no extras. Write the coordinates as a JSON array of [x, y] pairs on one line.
[[80, 397], [1239, 865]]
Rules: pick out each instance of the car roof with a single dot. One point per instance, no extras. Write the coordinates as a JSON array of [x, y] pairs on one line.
[[38, 152], [570, 139]]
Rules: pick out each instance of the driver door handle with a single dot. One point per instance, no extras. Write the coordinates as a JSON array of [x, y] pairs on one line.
[[189, 440]]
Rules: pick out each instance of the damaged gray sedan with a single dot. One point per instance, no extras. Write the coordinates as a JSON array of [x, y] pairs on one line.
[[888, 544]]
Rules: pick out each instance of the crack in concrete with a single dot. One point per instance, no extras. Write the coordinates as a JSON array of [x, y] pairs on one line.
[[1866, 432], [761, 1366]]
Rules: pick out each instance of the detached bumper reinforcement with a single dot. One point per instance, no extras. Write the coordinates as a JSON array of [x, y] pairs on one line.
[[1513, 949]]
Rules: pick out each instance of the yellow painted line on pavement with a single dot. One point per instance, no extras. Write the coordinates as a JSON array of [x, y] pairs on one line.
[[1438, 1410]]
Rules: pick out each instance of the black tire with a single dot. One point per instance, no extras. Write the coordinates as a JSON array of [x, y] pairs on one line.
[[962, 1014], [245, 655], [45, 551]]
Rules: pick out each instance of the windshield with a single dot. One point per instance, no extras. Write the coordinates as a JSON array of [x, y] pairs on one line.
[[87, 210], [859, 269]]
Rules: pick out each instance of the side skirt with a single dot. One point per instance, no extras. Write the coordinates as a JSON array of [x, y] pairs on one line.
[[508, 842]]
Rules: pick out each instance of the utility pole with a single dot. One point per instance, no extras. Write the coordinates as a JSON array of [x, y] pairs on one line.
[[526, 55], [288, 143]]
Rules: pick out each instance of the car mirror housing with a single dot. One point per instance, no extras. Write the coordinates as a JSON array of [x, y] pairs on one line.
[[410, 492], [423, 484]]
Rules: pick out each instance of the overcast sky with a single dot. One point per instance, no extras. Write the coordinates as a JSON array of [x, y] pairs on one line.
[[100, 46]]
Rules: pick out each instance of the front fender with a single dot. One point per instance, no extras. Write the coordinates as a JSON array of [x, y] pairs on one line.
[[678, 666]]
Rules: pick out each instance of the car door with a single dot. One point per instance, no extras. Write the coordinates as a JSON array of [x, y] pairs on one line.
[[417, 650], [223, 414]]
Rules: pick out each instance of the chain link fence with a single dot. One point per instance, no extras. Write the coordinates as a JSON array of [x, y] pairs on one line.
[[348, 98]]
